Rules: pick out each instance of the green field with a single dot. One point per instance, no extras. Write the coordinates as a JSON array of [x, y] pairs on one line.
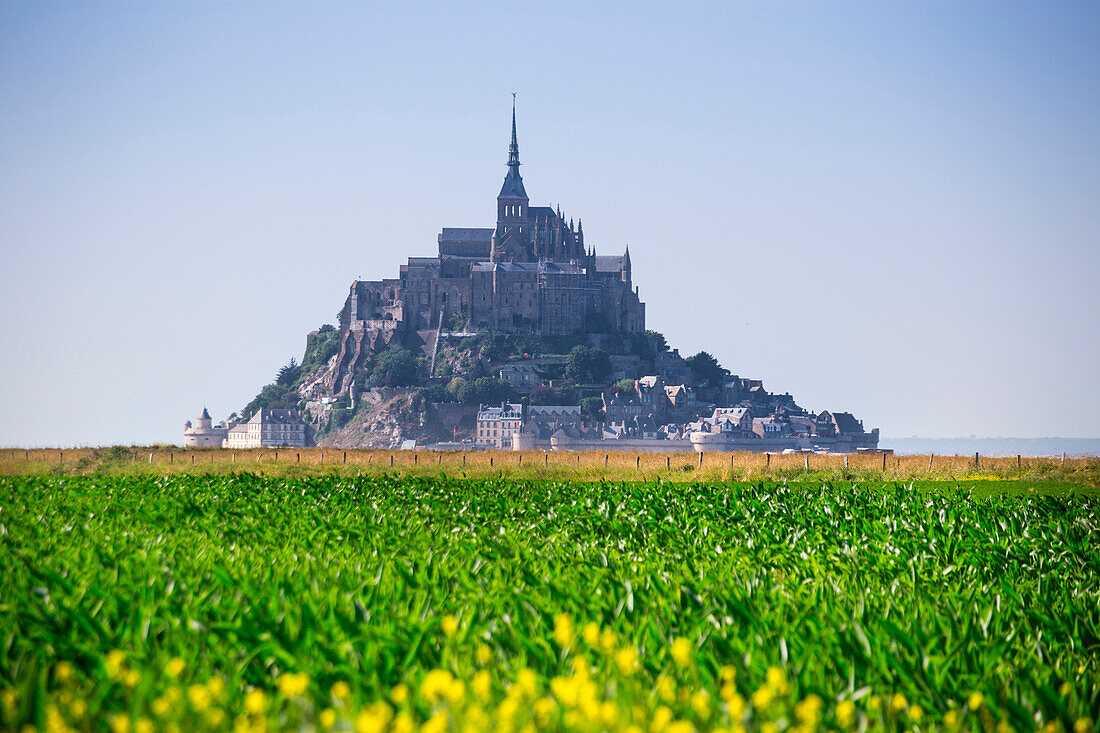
[[190, 602]]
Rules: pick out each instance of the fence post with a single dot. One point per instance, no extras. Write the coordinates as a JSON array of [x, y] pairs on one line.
[[1018, 460], [61, 456], [845, 460], [767, 459], [700, 459], [1063, 458], [975, 460], [345, 456], [546, 459], [391, 459], [439, 460], [605, 455], [731, 460], [668, 462], [520, 462], [232, 457], [416, 459], [150, 458], [884, 461], [171, 456], [276, 456], [490, 461], [805, 460], [298, 457], [930, 457], [322, 458], [464, 460], [637, 462], [192, 459]]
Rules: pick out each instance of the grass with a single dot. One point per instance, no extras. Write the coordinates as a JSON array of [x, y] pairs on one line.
[[192, 600], [555, 466]]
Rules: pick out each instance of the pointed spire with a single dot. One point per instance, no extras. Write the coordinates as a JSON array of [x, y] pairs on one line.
[[513, 149]]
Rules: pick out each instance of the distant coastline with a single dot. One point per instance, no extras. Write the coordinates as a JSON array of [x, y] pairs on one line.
[[995, 446]]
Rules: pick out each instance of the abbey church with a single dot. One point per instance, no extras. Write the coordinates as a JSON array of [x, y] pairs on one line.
[[531, 273]]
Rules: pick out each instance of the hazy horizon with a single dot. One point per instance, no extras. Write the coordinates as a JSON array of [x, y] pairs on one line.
[[888, 210]]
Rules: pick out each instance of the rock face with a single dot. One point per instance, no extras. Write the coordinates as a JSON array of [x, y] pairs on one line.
[[404, 416]]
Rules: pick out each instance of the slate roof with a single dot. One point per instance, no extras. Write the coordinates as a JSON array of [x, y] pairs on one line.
[[283, 417], [609, 263], [513, 185], [467, 235], [846, 423]]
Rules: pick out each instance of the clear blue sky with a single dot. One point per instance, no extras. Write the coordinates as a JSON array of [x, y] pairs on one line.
[[887, 208]]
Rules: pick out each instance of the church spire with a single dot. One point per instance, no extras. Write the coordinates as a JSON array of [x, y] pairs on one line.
[[513, 149]]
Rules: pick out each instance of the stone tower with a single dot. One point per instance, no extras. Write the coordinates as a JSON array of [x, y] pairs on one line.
[[512, 233]]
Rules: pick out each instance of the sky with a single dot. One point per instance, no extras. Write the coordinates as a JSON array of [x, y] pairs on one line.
[[891, 209]]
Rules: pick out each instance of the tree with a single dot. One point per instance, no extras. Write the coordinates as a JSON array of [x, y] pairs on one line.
[[460, 388], [491, 391], [706, 368], [545, 395], [592, 407], [288, 375], [623, 386], [437, 393], [588, 365], [394, 367]]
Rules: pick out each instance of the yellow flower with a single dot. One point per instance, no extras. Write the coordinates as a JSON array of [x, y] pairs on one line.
[[484, 654], [777, 680], [846, 713], [482, 685], [435, 724], [77, 709], [662, 716], [916, 712], [449, 625], [680, 726], [951, 719], [526, 680], [327, 718], [114, 661], [727, 673], [1065, 689], [373, 719], [809, 710], [340, 691], [608, 640], [7, 700], [762, 697], [626, 659], [591, 634], [63, 671], [897, 702], [174, 667], [131, 678], [435, 685], [255, 701], [563, 629], [975, 700], [543, 709], [403, 723], [120, 724], [665, 687], [682, 651], [875, 703], [199, 697], [216, 686], [700, 703], [609, 714], [293, 684], [1082, 725], [399, 694], [214, 718], [455, 692]]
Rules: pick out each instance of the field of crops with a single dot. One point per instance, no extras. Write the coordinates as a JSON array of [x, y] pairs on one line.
[[192, 602]]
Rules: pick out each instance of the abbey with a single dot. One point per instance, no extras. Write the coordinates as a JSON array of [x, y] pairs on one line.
[[531, 273]]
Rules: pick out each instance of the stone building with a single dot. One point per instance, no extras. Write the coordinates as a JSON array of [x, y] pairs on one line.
[[269, 429], [204, 434], [532, 273]]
